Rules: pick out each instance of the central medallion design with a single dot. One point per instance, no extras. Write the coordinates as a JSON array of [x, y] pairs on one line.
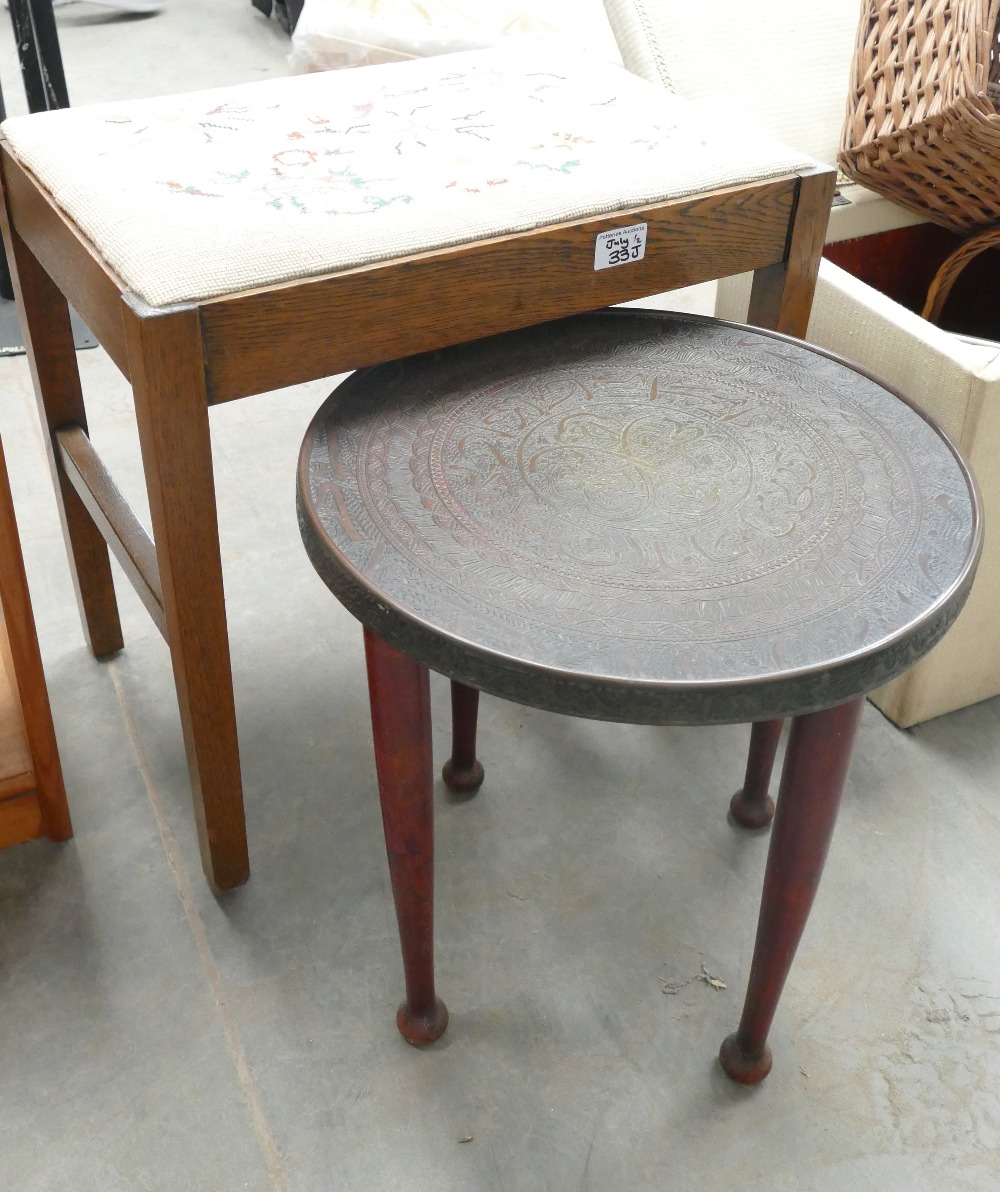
[[632, 480]]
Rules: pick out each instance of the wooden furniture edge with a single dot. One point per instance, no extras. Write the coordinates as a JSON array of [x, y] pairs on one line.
[[121, 529], [781, 295], [89, 285], [17, 775], [172, 418], [28, 675], [21, 819], [422, 302]]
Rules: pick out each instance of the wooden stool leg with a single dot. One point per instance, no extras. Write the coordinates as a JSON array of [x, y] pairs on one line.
[[816, 761], [48, 339], [171, 403], [400, 695], [752, 806], [463, 772], [781, 295]]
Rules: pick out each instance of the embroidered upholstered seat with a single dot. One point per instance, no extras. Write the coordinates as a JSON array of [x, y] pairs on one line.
[[197, 195], [230, 242]]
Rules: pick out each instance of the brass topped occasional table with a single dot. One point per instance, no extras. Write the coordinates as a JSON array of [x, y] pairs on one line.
[[638, 517]]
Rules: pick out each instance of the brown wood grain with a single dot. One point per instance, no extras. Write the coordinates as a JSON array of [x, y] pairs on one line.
[[172, 415], [781, 295], [16, 772], [812, 780], [29, 678], [20, 819], [121, 529], [48, 339], [16, 782], [463, 771], [66, 255], [400, 697], [752, 805], [901, 263], [183, 359], [284, 335]]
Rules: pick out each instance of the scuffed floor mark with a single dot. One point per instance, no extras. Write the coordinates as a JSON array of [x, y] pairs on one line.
[[937, 1079], [707, 978]]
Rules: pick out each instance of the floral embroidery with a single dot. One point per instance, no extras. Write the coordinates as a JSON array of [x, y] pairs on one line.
[[195, 195], [295, 157], [192, 190], [543, 165], [451, 136]]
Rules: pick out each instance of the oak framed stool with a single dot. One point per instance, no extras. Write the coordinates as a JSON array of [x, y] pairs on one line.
[[225, 243], [637, 517]]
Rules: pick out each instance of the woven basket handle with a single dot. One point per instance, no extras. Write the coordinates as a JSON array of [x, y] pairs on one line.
[[948, 274]]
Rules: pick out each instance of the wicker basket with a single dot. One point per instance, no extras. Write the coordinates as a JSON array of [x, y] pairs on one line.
[[951, 270], [922, 126]]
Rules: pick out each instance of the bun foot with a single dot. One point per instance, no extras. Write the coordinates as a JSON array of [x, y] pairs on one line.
[[755, 814], [463, 779], [744, 1068], [419, 1029]]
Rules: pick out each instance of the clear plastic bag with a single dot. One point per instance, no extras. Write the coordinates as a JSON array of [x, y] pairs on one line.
[[332, 34]]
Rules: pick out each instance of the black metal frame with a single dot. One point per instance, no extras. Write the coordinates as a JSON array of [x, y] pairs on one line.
[[39, 57], [287, 11], [38, 53]]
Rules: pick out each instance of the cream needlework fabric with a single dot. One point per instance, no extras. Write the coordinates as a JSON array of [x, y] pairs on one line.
[[196, 195], [784, 65]]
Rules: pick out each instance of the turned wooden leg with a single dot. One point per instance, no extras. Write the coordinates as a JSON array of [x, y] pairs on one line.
[[816, 761], [752, 805], [171, 405], [48, 339], [463, 771], [399, 691]]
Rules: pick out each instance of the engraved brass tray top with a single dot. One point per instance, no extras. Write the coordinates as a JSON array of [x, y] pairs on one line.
[[641, 516]]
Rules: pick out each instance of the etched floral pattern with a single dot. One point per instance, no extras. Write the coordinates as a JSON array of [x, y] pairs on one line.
[[695, 502]]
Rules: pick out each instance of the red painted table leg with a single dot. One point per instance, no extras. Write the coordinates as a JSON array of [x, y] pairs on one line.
[[752, 806], [399, 691], [463, 771], [816, 761]]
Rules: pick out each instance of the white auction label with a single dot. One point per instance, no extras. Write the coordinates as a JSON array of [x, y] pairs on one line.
[[620, 246]]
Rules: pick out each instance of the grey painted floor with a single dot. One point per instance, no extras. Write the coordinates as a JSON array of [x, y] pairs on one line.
[[153, 1038]]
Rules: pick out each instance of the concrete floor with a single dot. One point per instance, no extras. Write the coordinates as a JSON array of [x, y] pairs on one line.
[[154, 1038]]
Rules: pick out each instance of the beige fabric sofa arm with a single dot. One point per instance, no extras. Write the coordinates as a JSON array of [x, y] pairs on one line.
[[958, 383], [783, 69]]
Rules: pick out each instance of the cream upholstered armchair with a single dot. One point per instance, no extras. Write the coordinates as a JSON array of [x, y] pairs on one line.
[[782, 66], [788, 69], [229, 242], [957, 382]]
